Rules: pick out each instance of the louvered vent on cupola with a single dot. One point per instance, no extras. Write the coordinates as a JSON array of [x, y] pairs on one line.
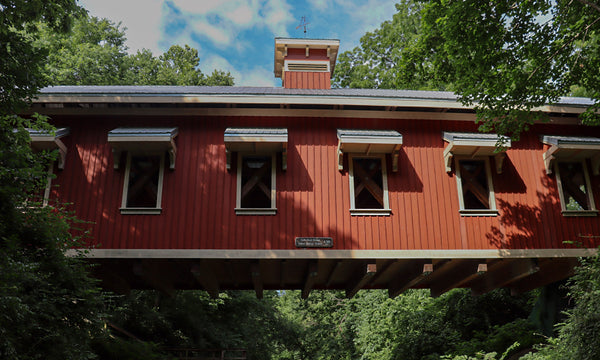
[[310, 66]]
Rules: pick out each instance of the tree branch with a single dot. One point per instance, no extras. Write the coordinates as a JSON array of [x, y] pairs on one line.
[[590, 4]]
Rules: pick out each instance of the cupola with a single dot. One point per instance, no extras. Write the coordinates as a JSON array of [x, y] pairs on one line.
[[305, 63]]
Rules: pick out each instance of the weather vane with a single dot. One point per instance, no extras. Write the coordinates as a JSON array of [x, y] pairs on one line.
[[303, 23]]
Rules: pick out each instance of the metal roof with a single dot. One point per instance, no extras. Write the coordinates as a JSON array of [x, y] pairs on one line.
[[143, 131], [458, 136], [569, 140], [58, 133], [255, 131], [161, 90], [341, 133]]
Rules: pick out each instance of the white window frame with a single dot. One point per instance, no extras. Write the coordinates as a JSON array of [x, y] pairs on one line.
[[386, 211], [493, 211], [239, 210], [143, 210], [48, 188], [591, 212]]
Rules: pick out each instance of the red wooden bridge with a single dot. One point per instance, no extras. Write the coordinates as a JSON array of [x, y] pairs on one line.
[[306, 187]]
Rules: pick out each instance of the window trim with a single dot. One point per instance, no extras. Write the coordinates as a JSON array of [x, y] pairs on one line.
[[386, 211], [157, 210], [475, 145], [493, 211], [568, 213], [239, 210], [368, 141], [40, 140]]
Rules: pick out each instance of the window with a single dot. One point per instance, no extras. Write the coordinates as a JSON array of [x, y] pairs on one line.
[[256, 185], [367, 151], [43, 140], [475, 188], [574, 188], [368, 185], [142, 189], [472, 152], [146, 150], [257, 150], [567, 157]]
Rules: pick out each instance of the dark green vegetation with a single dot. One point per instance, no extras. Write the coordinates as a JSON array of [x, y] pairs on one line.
[[51, 309], [94, 53], [505, 58]]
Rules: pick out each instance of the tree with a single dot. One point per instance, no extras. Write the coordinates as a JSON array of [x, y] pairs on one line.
[[94, 53], [507, 58], [579, 334], [375, 63], [49, 307], [21, 58]]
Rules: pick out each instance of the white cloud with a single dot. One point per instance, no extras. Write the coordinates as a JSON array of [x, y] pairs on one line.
[[254, 76], [217, 34], [320, 4], [277, 15], [257, 76], [221, 21]]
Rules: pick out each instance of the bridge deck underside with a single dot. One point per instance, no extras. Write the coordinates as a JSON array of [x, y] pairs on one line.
[[351, 275]]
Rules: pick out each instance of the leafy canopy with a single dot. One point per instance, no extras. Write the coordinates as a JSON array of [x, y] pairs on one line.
[[374, 63], [505, 58], [508, 58], [94, 53], [21, 58]]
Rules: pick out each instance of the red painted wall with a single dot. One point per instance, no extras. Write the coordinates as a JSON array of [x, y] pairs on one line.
[[306, 80], [312, 195], [313, 54]]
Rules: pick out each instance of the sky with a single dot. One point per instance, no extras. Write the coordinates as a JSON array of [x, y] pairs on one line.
[[237, 35]]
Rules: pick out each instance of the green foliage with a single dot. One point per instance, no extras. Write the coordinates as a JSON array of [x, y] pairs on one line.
[[581, 330], [21, 59], [324, 325], [116, 348], [94, 53], [410, 326], [191, 319], [375, 63], [579, 334], [506, 58], [501, 339], [50, 308]]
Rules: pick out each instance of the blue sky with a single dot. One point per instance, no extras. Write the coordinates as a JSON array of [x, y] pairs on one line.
[[238, 36]]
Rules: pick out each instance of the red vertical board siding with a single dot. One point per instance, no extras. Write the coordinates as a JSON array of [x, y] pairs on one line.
[[313, 196], [306, 80]]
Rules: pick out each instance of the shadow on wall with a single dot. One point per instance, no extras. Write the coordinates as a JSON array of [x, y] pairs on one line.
[[540, 225]]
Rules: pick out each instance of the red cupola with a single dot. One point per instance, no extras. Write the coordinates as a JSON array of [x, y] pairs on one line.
[[305, 63]]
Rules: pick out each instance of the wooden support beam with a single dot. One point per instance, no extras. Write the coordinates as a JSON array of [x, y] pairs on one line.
[[361, 278], [412, 275], [384, 266], [154, 275], [115, 282], [311, 277], [504, 273], [456, 273], [551, 270], [256, 279], [283, 273], [229, 266], [206, 278], [337, 270]]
